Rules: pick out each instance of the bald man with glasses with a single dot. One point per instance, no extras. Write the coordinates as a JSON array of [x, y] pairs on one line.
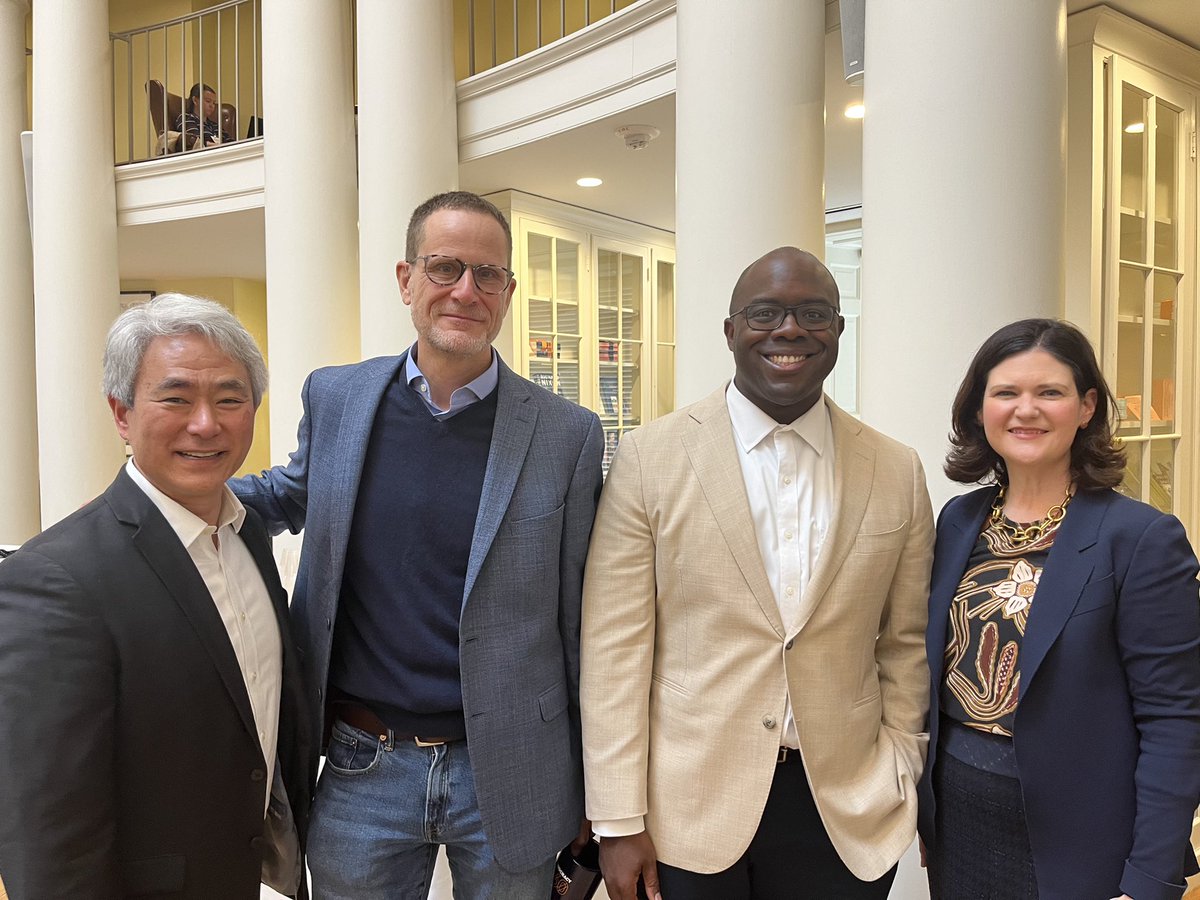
[[447, 504], [754, 692]]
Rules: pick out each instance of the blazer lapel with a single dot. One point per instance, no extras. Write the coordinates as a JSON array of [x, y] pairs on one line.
[[854, 473], [956, 536], [361, 396], [163, 552], [1064, 576], [711, 450], [512, 434]]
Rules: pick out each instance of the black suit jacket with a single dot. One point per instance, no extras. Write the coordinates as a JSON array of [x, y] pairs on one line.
[[129, 760]]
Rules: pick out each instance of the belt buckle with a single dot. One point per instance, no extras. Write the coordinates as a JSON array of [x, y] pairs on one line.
[[783, 754], [421, 743]]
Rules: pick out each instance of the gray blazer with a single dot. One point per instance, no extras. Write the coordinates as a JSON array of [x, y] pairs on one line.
[[519, 631]]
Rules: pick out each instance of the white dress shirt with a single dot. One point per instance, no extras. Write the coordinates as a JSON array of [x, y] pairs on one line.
[[788, 473], [241, 598]]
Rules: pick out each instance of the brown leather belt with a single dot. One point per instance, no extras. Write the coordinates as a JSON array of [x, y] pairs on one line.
[[363, 719]]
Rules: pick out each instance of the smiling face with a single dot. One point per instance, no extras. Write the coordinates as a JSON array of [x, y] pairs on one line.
[[782, 371], [457, 321], [1032, 412], [192, 420]]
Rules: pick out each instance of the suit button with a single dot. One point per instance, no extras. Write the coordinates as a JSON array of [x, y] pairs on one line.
[[258, 775], [768, 722], [257, 843], [789, 644]]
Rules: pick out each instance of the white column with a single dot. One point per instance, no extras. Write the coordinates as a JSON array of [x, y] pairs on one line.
[[964, 193], [407, 147], [76, 283], [19, 506], [750, 133], [311, 239]]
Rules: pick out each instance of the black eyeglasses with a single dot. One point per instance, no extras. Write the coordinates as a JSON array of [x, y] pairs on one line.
[[446, 270], [769, 316]]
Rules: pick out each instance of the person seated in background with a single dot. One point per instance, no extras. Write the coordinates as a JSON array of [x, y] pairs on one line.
[[201, 113]]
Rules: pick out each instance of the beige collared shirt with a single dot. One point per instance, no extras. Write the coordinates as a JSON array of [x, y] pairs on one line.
[[241, 599]]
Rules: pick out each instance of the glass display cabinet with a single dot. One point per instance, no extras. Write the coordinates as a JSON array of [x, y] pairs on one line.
[[1145, 268], [593, 315]]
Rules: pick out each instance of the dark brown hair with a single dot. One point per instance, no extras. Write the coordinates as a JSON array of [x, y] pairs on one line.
[[461, 200], [1096, 460]]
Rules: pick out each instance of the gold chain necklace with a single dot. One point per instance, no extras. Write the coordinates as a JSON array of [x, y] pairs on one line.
[[1022, 535]]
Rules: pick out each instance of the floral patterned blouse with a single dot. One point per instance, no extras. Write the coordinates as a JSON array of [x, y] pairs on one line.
[[987, 623]]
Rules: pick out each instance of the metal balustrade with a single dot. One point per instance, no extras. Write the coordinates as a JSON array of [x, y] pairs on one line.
[[154, 68], [491, 32]]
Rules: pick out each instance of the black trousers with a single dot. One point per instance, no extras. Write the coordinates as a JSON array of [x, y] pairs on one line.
[[789, 858]]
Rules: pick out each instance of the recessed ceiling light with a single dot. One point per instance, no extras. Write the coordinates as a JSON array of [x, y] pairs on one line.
[[1135, 128], [589, 182], [855, 111]]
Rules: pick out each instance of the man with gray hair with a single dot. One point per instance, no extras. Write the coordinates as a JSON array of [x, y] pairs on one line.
[[150, 741]]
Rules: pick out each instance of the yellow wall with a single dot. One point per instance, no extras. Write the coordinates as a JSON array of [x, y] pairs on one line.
[[247, 300], [558, 19]]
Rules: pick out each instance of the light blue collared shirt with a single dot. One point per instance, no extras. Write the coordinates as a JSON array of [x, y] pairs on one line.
[[469, 393]]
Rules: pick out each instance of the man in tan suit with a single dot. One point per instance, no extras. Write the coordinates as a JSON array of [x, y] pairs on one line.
[[754, 686]]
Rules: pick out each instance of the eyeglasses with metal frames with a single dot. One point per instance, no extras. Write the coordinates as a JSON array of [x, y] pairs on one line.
[[446, 270], [769, 316]]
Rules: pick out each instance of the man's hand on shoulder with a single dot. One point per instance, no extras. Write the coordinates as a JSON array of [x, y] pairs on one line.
[[624, 860]]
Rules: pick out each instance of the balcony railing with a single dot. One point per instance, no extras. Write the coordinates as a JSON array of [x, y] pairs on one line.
[[155, 68], [490, 32]]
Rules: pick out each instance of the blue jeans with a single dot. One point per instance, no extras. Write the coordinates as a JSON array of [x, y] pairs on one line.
[[381, 810]]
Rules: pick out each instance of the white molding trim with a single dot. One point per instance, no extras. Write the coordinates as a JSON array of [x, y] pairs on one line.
[[188, 185], [608, 30]]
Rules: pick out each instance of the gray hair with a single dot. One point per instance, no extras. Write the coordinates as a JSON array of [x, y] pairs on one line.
[[174, 314]]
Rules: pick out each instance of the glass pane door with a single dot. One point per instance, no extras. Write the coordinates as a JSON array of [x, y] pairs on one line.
[[552, 317], [620, 322], [1142, 264]]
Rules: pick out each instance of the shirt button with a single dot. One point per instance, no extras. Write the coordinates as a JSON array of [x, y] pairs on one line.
[[769, 722], [787, 479], [790, 590], [787, 535], [424, 389]]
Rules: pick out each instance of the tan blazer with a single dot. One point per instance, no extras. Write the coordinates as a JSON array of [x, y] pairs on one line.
[[686, 667]]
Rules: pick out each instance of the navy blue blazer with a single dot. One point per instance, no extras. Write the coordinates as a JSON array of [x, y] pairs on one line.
[[1107, 729]]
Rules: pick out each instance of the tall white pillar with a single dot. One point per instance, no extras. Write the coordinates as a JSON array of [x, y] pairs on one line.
[[407, 147], [19, 506], [311, 238], [750, 159], [76, 283], [964, 196]]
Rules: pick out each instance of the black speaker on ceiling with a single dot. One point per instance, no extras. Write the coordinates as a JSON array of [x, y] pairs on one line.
[[853, 16]]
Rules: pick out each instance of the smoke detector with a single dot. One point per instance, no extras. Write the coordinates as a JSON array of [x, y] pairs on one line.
[[637, 137]]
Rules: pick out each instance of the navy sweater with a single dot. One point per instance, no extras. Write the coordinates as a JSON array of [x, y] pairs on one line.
[[395, 645]]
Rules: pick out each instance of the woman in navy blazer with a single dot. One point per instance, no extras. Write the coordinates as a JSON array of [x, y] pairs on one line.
[[1063, 644]]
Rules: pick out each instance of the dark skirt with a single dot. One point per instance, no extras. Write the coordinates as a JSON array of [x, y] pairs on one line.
[[981, 849]]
